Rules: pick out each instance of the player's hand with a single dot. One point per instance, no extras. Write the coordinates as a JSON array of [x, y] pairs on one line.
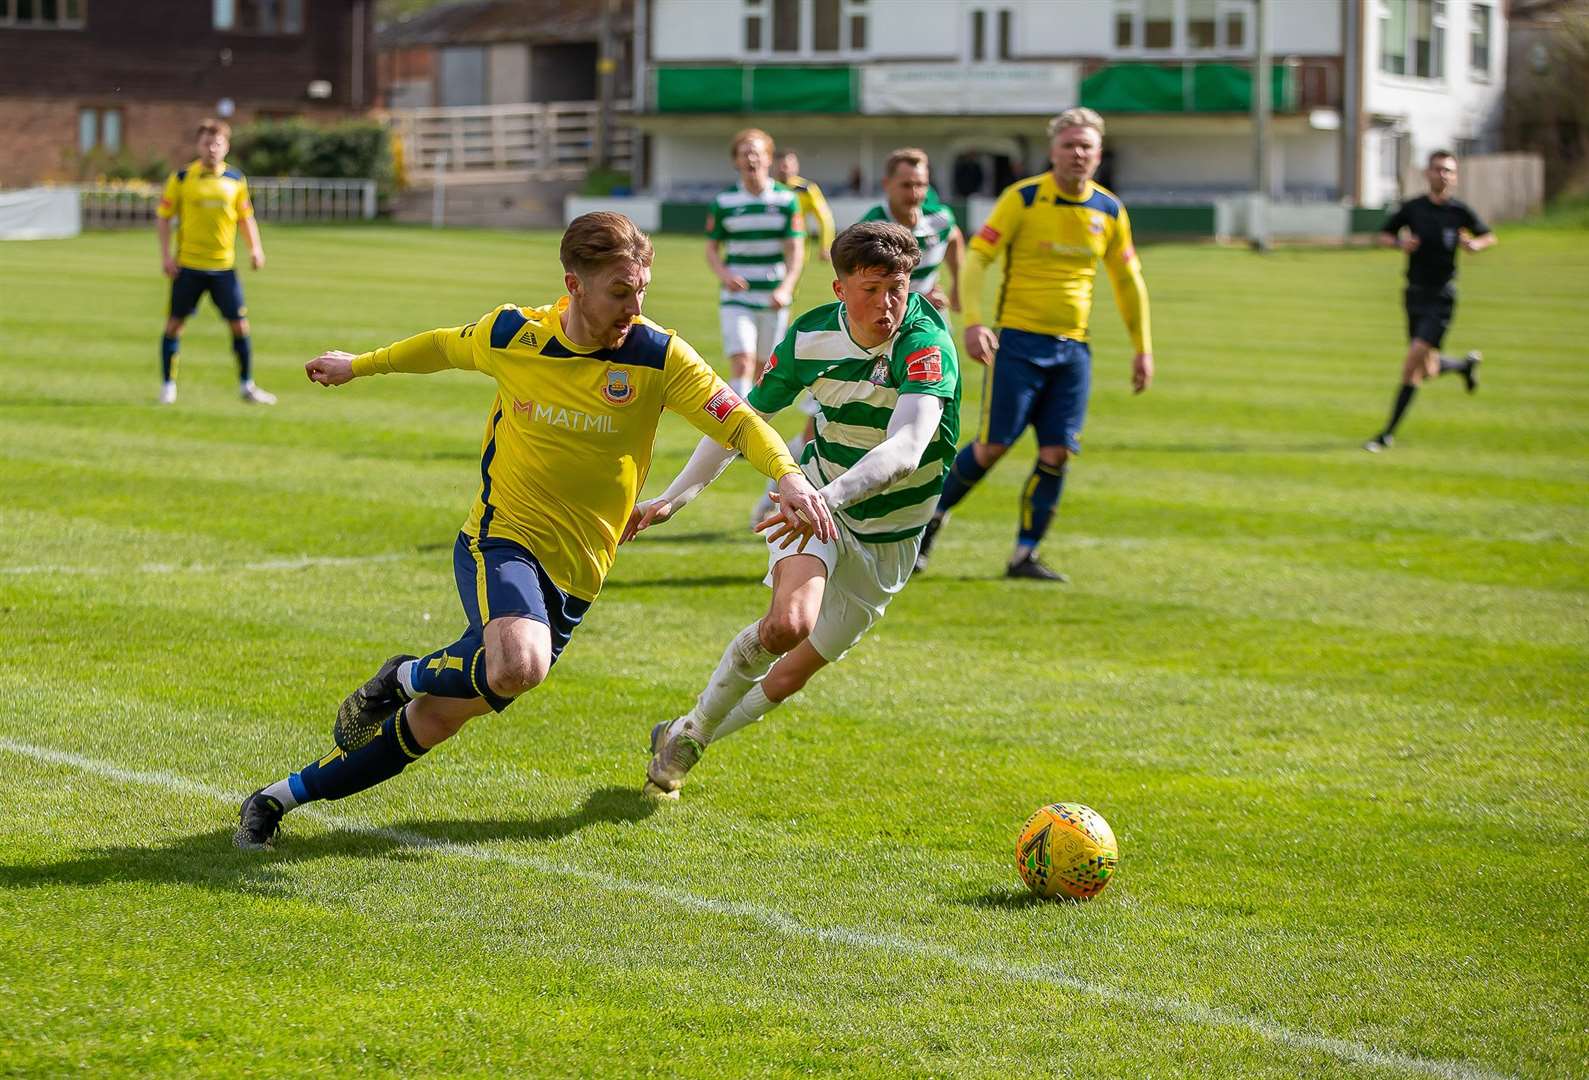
[[802, 508], [937, 297], [643, 516], [782, 297], [1471, 243], [1409, 242], [256, 259], [169, 265], [330, 368], [1141, 372], [981, 343], [735, 283]]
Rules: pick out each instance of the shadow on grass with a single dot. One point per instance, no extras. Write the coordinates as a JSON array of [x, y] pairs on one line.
[[1007, 898], [209, 860], [1231, 448]]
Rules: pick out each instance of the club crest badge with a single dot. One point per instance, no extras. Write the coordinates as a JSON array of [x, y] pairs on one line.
[[617, 388], [1095, 224], [879, 376]]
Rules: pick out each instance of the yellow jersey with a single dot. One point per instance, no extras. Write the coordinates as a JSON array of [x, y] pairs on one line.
[[1052, 245], [569, 439], [207, 205], [812, 203]]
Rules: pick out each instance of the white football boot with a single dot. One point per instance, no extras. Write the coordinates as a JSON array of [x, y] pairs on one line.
[[253, 395], [674, 752], [168, 393]]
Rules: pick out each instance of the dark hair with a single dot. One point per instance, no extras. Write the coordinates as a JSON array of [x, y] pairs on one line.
[[1438, 154], [881, 245], [210, 125], [598, 239]]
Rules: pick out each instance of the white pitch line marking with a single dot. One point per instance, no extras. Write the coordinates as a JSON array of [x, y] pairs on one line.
[[1175, 1008], [295, 562]]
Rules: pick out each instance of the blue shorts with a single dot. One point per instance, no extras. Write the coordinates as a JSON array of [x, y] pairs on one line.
[[1040, 380], [189, 287], [499, 577]]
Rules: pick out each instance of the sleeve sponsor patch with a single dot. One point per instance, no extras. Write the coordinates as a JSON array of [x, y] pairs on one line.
[[772, 362], [720, 404], [989, 234], [924, 365], [1128, 253]]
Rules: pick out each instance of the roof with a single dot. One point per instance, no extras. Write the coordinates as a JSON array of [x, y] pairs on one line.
[[485, 21]]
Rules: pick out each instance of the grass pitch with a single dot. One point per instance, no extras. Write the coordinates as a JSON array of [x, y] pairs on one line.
[[1333, 705]]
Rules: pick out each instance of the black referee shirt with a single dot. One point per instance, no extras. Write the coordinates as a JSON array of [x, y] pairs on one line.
[[1436, 226]]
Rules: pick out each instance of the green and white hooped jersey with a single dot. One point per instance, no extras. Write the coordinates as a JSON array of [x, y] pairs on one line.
[[857, 390], [932, 232], [753, 229]]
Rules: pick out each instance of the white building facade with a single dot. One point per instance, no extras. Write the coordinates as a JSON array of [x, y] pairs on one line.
[[1361, 88]]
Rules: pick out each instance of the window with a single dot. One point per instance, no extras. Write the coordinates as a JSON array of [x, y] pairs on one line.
[[786, 26], [44, 14], [1158, 24], [979, 35], [1202, 24], [1005, 36], [1190, 26], [99, 129], [258, 16], [815, 29], [1412, 38], [1479, 41]]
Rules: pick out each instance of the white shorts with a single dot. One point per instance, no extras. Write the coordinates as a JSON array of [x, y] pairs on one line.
[[753, 331], [862, 579]]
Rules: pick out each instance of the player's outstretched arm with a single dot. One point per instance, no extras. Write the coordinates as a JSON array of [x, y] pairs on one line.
[[434, 350], [704, 466]]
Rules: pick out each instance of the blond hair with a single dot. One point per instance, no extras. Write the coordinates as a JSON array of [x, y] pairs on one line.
[[211, 125], [749, 133], [907, 155], [596, 240], [1077, 117]]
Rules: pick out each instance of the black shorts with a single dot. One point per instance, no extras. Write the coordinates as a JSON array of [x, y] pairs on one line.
[[1429, 313], [222, 286]]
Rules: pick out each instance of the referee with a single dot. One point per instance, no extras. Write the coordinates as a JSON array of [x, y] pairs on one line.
[[1429, 229]]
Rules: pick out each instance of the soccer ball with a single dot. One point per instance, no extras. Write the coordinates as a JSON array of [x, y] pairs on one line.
[[1066, 848]]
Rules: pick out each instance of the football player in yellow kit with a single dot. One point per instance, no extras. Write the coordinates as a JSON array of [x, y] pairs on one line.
[[1052, 230], [581, 385]]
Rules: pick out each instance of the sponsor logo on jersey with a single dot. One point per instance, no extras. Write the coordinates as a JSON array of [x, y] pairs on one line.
[[528, 338], [618, 390], [925, 365], [988, 233], [720, 404], [568, 419]]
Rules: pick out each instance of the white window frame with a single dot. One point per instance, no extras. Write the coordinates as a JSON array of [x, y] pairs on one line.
[[62, 21], [1180, 39], [1487, 72], [1439, 45], [807, 52]]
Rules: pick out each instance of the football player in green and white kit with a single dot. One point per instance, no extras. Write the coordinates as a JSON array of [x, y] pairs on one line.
[[910, 201], [881, 364]]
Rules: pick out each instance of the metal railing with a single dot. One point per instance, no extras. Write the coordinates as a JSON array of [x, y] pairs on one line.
[[275, 198], [552, 141]]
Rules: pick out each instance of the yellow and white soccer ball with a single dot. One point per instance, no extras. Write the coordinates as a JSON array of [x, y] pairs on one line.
[[1067, 848]]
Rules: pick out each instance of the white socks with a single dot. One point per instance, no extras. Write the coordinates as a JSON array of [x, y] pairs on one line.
[[741, 385], [752, 707], [281, 791], [744, 664]]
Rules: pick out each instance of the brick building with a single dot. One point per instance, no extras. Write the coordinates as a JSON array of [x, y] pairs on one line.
[[86, 81]]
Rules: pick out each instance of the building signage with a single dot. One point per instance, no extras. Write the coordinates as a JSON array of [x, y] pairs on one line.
[[969, 88]]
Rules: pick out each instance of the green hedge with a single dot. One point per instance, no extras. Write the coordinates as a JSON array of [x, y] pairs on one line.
[[352, 150]]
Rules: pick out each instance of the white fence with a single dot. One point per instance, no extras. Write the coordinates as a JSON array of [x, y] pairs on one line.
[[276, 198], [554, 141]]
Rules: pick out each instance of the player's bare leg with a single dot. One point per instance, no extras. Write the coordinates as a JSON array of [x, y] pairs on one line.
[[742, 370], [798, 584]]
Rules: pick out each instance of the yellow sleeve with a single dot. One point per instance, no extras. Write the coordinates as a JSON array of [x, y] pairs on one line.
[[993, 237], [245, 205], [434, 350], [168, 198], [824, 215], [1131, 292], [694, 391]]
